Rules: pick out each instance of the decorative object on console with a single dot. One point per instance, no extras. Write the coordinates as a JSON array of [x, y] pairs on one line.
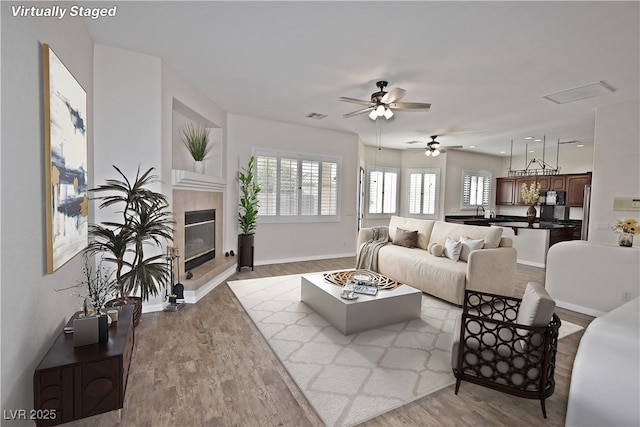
[[99, 283], [65, 136], [196, 138], [531, 195], [247, 214], [626, 227], [145, 221]]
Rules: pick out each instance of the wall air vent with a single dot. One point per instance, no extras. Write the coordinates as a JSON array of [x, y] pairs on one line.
[[316, 116]]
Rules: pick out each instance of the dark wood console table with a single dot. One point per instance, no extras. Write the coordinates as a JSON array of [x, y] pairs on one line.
[[78, 382]]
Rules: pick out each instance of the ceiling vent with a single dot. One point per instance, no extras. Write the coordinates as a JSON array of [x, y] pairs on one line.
[[316, 116], [580, 92]]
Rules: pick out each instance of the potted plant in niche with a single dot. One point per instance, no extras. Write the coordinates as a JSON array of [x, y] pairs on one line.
[[247, 214], [196, 138], [144, 221]]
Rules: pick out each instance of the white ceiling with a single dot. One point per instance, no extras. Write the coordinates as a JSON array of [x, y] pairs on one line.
[[484, 66]]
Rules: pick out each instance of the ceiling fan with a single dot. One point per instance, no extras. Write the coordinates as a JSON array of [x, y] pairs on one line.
[[434, 148], [382, 103]]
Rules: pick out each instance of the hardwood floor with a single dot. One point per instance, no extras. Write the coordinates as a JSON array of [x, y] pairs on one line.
[[207, 365]]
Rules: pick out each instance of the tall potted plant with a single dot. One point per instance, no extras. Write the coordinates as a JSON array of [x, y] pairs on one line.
[[145, 220], [196, 139], [247, 214]]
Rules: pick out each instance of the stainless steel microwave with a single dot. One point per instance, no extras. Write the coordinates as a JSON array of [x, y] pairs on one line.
[[552, 198]]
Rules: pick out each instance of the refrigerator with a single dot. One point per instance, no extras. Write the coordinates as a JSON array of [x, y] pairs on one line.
[[586, 207]]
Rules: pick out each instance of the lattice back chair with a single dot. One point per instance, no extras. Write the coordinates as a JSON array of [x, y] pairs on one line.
[[508, 344]]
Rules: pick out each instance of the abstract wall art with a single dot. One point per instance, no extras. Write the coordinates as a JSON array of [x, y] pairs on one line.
[[65, 135]]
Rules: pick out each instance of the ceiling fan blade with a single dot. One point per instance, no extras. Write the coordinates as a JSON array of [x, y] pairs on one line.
[[414, 142], [393, 96], [355, 113], [410, 106], [355, 101]]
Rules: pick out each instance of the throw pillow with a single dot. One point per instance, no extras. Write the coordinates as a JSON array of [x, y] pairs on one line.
[[469, 245], [437, 249], [405, 238], [452, 249]]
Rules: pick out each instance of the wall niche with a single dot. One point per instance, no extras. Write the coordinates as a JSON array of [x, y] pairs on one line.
[[181, 159]]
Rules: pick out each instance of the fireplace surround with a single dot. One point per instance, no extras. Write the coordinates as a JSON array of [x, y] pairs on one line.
[[197, 201]]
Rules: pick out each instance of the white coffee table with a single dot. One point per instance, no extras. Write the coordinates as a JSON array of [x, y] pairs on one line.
[[367, 312]]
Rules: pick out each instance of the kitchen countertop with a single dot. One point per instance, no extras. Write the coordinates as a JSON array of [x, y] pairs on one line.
[[508, 220], [535, 226]]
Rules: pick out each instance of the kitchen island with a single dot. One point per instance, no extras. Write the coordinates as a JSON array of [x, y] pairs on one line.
[[533, 241]]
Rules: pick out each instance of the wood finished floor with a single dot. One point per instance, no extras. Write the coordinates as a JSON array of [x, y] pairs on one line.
[[207, 365]]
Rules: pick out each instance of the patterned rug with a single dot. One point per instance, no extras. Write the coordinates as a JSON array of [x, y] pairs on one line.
[[350, 379]]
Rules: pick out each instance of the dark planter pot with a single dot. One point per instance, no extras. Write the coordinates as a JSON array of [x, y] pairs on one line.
[[137, 307], [245, 250]]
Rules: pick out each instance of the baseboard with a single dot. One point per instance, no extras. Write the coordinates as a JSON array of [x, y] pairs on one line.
[[309, 258], [150, 308], [579, 308], [532, 264]]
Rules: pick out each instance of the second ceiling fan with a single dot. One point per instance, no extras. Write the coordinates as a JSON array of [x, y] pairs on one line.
[[434, 148], [382, 103]]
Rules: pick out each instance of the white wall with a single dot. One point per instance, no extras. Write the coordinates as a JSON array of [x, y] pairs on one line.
[[283, 242], [135, 95], [615, 168], [128, 129], [459, 161], [33, 313], [572, 159]]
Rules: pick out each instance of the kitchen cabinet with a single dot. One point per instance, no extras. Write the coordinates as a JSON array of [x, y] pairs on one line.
[[575, 188], [505, 191], [508, 189], [552, 182]]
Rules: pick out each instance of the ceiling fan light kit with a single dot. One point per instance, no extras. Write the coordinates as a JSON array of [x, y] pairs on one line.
[[383, 103]]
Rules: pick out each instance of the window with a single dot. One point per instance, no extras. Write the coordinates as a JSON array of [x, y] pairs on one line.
[[383, 191], [423, 191], [476, 189], [297, 187]]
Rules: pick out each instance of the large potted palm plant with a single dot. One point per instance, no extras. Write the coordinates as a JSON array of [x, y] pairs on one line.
[[247, 214], [144, 221]]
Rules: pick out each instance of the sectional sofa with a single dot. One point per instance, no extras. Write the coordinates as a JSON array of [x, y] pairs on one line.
[[437, 262]]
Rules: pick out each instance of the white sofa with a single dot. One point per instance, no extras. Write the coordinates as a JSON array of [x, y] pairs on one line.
[[490, 269], [605, 380]]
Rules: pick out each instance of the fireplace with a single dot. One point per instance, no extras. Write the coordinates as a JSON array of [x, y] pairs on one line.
[[199, 237]]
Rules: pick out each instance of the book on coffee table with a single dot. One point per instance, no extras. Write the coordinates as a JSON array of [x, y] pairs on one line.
[[360, 288]]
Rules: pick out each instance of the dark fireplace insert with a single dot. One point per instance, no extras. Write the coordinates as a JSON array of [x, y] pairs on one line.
[[199, 237]]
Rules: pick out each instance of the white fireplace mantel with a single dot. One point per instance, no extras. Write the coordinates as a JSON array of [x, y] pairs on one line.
[[187, 180]]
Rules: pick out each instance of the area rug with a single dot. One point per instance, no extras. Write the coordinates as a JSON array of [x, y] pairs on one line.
[[350, 379]]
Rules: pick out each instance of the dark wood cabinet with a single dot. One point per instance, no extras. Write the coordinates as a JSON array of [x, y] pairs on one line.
[[575, 188], [560, 235], [552, 182], [505, 191], [77, 382], [508, 189]]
